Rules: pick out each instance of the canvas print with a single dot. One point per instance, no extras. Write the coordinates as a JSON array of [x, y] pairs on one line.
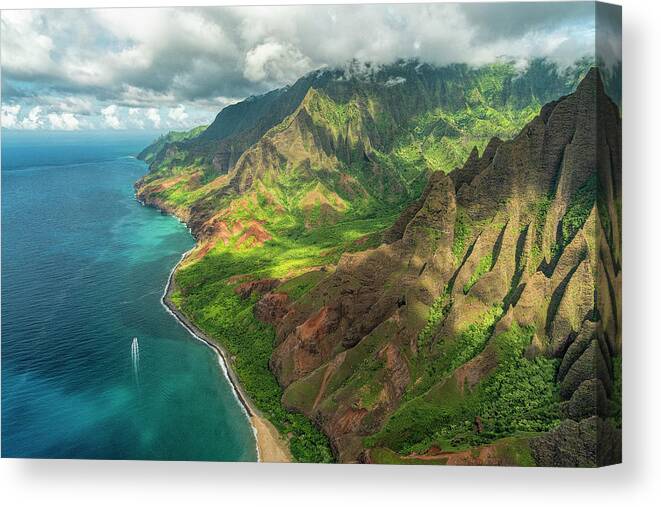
[[379, 234]]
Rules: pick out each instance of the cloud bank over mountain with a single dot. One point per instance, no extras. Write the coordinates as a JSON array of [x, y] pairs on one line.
[[176, 67]]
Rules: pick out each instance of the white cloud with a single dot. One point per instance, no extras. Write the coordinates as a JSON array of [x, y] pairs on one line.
[[178, 114], [134, 96], [10, 115], [174, 64], [136, 117], [110, 117], [394, 81], [33, 120], [26, 49], [275, 62], [64, 121], [154, 116], [70, 104], [182, 54]]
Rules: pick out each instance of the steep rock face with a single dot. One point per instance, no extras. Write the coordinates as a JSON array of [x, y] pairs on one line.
[[272, 307], [524, 237], [372, 287], [589, 442], [310, 148]]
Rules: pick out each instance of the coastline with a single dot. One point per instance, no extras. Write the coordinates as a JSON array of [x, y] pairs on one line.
[[271, 447]]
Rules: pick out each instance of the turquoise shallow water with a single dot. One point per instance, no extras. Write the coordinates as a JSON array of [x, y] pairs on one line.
[[83, 270]]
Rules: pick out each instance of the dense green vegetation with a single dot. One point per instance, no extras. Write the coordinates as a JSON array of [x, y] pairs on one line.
[[437, 313], [520, 395], [456, 351], [218, 311], [462, 234], [388, 457], [442, 139], [579, 209], [173, 136], [449, 352], [482, 268], [541, 210]]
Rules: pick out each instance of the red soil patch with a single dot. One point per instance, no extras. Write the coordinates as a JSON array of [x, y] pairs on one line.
[[224, 233], [309, 343], [194, 180], [323, 322], [330, 370], [169, 183], [215, 231], [263, 286], [203, 250], [486, 455], [471, 373], [256, 233], [272, 307], [349, 421]]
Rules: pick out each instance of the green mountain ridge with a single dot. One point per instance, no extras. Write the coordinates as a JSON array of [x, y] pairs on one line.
[[163, 142], [382, 130], [405, 89], [410, 315]]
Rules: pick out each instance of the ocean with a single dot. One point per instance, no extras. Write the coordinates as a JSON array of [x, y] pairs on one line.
[[93, 366]]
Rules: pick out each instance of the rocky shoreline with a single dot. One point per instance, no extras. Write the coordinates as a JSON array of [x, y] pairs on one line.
[[271, 447]]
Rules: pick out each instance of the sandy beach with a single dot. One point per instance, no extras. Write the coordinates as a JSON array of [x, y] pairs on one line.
[[271, 446]]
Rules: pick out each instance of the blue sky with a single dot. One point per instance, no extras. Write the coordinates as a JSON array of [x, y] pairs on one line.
[[174, 68]]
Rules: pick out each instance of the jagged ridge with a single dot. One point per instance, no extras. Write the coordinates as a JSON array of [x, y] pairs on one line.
[[538, 265]]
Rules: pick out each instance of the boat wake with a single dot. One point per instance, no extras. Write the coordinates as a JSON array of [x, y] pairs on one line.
[[135, 359]]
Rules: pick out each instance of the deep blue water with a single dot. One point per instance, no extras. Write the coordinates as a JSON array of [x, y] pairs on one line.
[[83, 270]]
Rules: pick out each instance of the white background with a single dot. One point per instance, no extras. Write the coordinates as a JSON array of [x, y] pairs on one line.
[[636, 482]]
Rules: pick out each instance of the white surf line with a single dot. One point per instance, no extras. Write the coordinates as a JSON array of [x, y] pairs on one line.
[[222, 360]]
